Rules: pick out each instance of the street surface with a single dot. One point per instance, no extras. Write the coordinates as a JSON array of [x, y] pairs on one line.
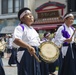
[[12, 70], [9, 70]]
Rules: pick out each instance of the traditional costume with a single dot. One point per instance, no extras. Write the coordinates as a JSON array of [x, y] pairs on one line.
[[27, 64], [68, 65], [66, 59]]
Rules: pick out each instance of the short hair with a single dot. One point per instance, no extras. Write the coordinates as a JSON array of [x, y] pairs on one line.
[[22, 10]]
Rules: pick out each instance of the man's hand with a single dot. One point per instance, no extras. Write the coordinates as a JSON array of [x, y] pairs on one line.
[[69, 40], [31, 50]]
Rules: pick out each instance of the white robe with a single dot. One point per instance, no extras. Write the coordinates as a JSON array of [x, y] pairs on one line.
[[59, 39]]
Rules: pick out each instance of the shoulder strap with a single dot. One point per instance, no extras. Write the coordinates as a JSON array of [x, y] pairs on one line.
[[22, 27]]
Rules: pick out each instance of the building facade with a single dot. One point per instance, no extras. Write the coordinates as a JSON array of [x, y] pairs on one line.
[[10, 8]]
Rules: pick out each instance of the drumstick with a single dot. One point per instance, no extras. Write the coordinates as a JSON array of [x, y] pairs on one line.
[[37, 58], [73, 33], [71, 37]]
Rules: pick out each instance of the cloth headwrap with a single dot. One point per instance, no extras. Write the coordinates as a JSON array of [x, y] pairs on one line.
[[48, 34], [25, 12], [68, 15]]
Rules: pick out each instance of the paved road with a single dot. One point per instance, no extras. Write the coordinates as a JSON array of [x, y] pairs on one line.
[[9, 70]]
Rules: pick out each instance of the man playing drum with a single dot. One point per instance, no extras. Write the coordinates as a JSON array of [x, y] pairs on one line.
[[64, 36], [26, 37]]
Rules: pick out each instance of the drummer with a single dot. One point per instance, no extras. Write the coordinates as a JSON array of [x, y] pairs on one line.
[[28, 39], [64, 36], [46, 37]]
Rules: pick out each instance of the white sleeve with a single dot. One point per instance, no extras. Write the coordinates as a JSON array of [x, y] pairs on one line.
[[18, 33], [59, 39]]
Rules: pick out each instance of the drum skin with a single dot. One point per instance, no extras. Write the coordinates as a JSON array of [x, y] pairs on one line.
[[2, 46], [49, 52]]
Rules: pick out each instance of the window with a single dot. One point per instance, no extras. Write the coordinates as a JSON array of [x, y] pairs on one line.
[[11, 6], [16, 5], [71, 5]]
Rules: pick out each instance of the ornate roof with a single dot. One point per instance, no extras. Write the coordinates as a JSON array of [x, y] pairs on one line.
[[50, 3]]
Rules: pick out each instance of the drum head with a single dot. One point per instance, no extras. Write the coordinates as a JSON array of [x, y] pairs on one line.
[[49, 52], [2, 47]]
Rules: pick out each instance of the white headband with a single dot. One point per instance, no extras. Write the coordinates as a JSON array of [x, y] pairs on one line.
[[68, 15], [25, 12], [48, 34]]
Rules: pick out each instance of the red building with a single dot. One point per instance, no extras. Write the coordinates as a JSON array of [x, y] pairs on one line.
[[49, 16]]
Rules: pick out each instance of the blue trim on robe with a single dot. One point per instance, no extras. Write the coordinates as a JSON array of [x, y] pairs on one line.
[[66, 34]]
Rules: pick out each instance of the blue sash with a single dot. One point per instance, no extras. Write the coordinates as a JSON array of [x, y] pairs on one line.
[[66, 34]]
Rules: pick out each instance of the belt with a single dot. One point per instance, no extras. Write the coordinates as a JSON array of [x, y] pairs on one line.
[[21, 48], [66, 44], [15, 48]]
